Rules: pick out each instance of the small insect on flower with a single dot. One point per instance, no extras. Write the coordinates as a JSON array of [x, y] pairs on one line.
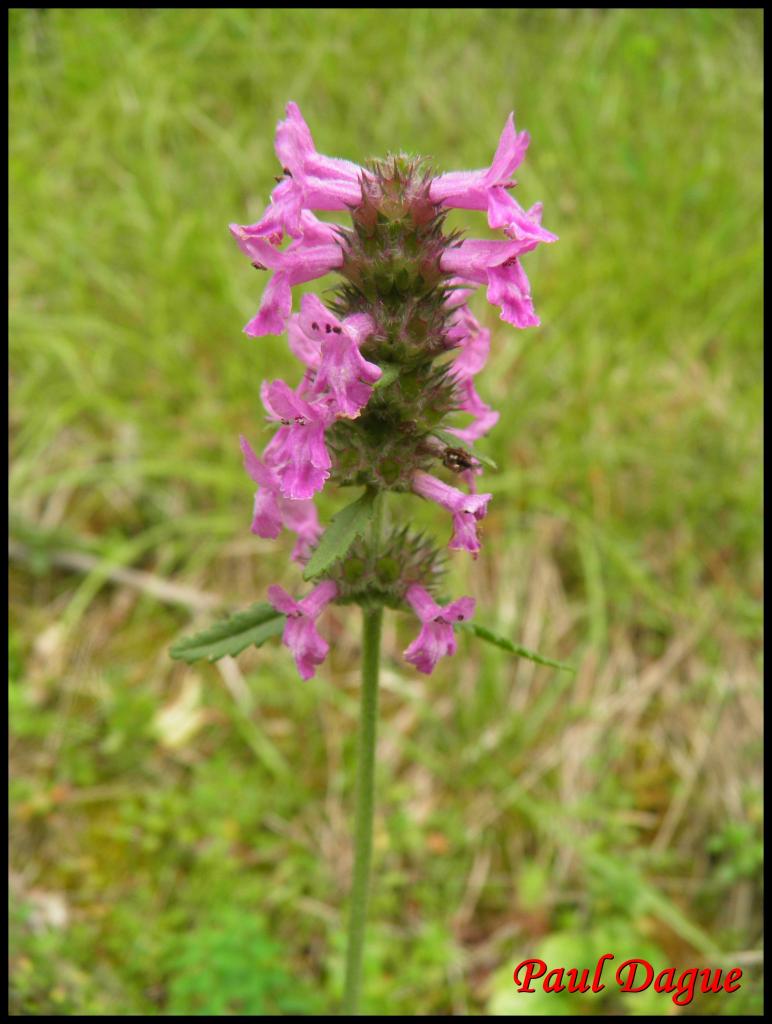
[[458, 459]]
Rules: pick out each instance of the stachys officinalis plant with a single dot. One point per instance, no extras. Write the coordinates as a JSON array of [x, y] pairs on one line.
[[386, 404]]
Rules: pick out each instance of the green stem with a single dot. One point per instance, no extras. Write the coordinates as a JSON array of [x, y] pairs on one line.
[[363, 827]]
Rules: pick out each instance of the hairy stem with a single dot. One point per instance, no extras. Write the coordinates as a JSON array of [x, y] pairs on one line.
[[363, 828]]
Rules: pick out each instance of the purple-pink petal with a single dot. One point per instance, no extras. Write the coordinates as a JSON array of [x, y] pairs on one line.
[[505, 213], [331, 347], [422, 603], [312, 181], [302, 518], [300, 633], [272, 510], [473, 258], [297, 153], [284, 404], [508, 288], [469, 190], [510, 153], [345, 374], [430, 645], [275, 308], [282, 601], [485, 418], [297, 452], [316, 601], [473, 342], [466, 509], [266, 516], [314, 254], [436, 637], [496, 264]]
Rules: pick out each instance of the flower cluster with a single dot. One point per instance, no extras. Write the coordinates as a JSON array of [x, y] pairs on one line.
[[388, 363]]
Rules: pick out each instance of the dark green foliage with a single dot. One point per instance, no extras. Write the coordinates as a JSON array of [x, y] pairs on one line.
[[227, 963], [509, 645], [403, 557], [345, 526]]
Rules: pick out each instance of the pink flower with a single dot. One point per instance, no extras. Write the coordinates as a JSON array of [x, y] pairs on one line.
[[300, 634], [297, 452], [283, 212], [487, 189], [485, 418], [266, 517], [436, 637], [313, 255], [473, 342], [272, 510], [506, 213], [331, 347], [311, 182], [468, 190], [466, 509], [328, 183], [304, 341], [496, 265], [302, 518]]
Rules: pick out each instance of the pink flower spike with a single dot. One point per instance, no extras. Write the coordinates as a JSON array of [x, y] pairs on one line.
[[436, 637], [300, 633], [466, 509]]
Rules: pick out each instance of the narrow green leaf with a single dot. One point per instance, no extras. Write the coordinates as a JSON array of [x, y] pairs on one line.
[[254, 625], [455, 442], [345, 526], [389, 374], [507, 645]]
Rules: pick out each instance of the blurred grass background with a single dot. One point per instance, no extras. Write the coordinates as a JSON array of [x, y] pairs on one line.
[[180, 836]]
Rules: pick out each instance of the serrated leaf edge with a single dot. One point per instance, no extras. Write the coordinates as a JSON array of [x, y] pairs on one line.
[[504, 643]]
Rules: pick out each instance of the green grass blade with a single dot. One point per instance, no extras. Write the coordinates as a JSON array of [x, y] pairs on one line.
[[508, 645]]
